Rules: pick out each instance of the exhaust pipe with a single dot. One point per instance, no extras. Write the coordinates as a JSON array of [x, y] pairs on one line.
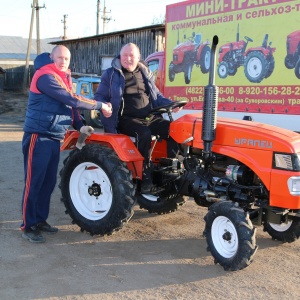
[[210, 105]]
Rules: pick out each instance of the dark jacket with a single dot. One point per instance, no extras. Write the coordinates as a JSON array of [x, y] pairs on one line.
[[52, 107], [111, 89]]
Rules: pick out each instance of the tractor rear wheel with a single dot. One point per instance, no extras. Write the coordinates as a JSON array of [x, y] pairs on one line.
[[255, 67], [230, 235], [162, 203], [97, 189], [205, 59], [271, 66], [286, 232]]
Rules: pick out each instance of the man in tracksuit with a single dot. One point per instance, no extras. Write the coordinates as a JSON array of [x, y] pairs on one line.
[[52, 108], [128, 85]]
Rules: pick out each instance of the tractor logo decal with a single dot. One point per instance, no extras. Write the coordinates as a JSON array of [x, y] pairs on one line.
[[253, 143]]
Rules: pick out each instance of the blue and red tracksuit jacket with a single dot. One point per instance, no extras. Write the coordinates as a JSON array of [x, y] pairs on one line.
[[52, 107]]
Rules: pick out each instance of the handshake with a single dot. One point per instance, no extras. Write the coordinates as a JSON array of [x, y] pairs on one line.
[[106, 109]]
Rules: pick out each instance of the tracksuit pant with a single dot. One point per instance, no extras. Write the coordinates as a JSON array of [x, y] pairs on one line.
[[41, 158]]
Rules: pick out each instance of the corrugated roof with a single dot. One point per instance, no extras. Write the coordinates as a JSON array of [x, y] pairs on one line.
[[15, 47]]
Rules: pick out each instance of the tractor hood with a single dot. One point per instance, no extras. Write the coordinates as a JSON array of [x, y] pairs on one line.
[[236, 133], [185, 46]]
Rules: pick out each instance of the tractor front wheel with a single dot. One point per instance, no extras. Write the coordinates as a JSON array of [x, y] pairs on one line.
[[223, 69], [171, 72], [297, 69], [289, 61], [188, 72], [230, 235]]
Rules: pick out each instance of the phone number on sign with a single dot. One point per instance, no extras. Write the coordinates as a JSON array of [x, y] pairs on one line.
[[269, 90]]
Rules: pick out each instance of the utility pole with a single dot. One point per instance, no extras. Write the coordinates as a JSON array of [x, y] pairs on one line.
[[25, 78], [98, 17], [64, 21], [38, 41], [105, 18]]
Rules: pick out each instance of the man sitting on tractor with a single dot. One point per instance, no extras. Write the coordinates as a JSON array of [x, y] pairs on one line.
[[128, 85]]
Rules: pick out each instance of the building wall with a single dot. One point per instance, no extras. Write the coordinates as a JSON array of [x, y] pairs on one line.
[[88, 54], [14, 76]]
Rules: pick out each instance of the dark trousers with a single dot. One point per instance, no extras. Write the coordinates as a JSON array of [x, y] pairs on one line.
[[142, 130], [41, 158]]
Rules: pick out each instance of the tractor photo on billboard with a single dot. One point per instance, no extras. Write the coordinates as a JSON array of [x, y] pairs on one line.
[[186, 54], [258, 61]]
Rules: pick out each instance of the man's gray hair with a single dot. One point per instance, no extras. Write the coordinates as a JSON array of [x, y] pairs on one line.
[[131, 44]]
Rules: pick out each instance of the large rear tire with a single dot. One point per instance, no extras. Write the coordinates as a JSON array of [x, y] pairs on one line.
[[271, 66], [285, 232], [205, 59], [255, 67], [163, 203], [97, 189], [230, 236]]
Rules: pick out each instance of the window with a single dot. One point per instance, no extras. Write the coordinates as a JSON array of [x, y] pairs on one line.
[[153, 66]]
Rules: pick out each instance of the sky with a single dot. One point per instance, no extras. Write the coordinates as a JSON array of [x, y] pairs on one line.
[[81, 20]]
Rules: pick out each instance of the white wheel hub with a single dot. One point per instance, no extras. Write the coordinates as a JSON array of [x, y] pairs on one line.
[[224, 237], [90, 191], [254, 67], [281, 227]]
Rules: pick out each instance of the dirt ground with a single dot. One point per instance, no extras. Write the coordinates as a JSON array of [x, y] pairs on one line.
[[152, 257]]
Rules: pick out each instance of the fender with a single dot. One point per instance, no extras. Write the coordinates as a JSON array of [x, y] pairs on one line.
[[120, 143]]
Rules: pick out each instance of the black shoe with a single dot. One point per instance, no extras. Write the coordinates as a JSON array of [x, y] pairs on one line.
[[45, 227], [33, 235]]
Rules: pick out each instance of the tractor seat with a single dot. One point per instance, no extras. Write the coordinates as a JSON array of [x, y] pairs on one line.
[[198, 38]]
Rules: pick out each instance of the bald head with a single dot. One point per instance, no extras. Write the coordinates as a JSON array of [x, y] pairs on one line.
[[61, 57]]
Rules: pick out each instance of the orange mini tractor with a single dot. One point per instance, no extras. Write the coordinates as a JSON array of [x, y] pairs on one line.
[[245, 173]]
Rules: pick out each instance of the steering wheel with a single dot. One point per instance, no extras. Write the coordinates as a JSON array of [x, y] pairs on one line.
[[167, 108], [248, 39]]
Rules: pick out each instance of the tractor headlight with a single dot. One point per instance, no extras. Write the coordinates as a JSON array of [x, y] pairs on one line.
[[294, 185], [286, 161]]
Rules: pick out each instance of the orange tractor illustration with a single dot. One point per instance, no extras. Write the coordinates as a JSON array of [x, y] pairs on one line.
[[186, 54], [245, 173], [258, 62]]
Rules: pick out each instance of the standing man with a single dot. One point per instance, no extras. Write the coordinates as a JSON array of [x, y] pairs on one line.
[[52, 108], [128, 85]]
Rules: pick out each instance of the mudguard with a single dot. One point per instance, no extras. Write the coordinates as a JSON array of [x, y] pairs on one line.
[[122, 145]]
